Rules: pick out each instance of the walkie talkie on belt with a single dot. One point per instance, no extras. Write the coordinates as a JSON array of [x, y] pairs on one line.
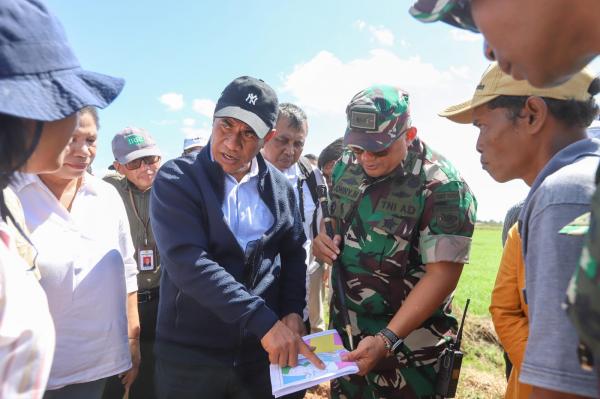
[[449, 363]]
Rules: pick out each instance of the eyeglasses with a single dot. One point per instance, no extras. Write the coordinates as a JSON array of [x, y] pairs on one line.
[[136, 163], [359, 151]]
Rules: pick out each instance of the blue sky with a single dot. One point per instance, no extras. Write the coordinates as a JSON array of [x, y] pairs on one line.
[[177, 56]]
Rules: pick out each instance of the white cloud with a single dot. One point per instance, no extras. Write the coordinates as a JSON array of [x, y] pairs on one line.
[[382, 35], [324, 85], [360, 25], [379, 34], [173, 101], [204, 107], [189, 122], [461, 35], [463, 71], [164, 122]]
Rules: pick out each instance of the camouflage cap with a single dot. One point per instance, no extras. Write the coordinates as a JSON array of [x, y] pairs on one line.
[[454, 12], [377, 116]]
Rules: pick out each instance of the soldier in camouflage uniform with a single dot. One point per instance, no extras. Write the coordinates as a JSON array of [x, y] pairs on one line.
[[582, 44], [406, 218]]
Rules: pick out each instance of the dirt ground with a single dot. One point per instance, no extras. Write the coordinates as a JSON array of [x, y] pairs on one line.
[[480, 378], [318, 392], [473, 384]]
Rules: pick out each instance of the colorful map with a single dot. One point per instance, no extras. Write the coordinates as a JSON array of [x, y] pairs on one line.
[[329, 348]]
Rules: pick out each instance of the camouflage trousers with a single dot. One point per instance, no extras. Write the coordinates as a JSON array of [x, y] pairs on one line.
[[394, 377], [398, 383]]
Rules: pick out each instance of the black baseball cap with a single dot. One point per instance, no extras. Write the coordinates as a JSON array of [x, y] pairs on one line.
[[251, 101]]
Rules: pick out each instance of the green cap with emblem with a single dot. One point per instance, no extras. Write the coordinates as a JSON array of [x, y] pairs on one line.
[[132, 143], [377, 116]]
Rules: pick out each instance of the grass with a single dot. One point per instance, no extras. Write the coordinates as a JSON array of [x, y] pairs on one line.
[[482, 374], [478, 277]]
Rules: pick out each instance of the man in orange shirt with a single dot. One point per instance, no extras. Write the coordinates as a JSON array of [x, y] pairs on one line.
[[509, 311]]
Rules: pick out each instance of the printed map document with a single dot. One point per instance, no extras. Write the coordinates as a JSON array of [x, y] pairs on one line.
[[328, 344]]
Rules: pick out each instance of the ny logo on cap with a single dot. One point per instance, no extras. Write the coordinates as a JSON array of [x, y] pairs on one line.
[[251, 98], [363, 120]]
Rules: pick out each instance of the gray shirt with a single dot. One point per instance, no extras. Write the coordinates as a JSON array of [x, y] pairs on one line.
[[559, 194], [138, 214]]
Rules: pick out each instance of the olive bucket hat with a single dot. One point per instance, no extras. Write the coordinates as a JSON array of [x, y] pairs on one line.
[[40, 77]]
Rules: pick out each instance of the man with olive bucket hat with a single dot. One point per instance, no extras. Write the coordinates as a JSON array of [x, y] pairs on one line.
[[42, 87]]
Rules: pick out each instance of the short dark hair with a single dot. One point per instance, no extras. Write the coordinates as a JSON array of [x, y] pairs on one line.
[[570, 112], [294, 114], [311, 157], [332, 152], [93, 112]]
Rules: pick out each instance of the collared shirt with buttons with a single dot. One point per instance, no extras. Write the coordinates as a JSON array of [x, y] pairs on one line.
[[87, 267], [247, 216], [26, 329]]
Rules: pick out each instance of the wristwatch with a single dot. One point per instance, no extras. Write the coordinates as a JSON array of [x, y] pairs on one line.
[[393, 343]]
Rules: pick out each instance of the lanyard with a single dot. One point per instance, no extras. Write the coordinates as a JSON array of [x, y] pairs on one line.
[[301, 197], [137, 215]]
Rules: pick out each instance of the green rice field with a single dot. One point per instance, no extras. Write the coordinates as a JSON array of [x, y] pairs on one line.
[[478, 277], [482, 374]]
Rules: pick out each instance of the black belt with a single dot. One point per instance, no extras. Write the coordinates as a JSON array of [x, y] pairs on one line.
[[148, 295]]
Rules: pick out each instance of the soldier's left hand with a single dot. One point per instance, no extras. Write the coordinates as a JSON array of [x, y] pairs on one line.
[[326, 249], [369, 352]]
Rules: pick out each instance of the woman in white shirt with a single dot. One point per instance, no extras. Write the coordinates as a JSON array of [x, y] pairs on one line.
[[41, 89], [79, 225]]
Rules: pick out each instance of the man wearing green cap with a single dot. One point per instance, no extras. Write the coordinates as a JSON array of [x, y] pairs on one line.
[[406, 218], [539, 135]]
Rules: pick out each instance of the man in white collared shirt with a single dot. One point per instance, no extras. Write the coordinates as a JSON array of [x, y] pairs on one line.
[[284, 152], [221, 218]]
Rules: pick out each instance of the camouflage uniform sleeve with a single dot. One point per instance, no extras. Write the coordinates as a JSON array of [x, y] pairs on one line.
[[336, 174], [340, 166], [447, 223]]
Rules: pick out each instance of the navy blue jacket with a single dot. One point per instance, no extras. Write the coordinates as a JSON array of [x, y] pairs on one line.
[[208, 312]]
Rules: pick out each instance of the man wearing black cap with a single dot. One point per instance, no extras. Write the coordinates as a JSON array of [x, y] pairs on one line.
[[220, 219]]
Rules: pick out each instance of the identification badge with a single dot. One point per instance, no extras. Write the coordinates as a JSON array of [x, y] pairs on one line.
[[146, 260]]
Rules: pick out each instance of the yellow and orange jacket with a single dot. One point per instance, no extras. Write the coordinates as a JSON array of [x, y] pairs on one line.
[[509, 311]]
